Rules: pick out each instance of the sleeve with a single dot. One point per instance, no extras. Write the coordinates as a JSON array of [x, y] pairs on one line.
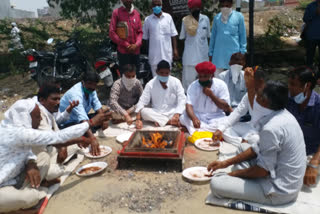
[[235, 116], [139, 32], [145, 29], [308, 15], [33, 137], [223, 92], [182, 32], [173, 28], [145, 98], [62, 117], [213, 37], [181, 99], [112, 30], [242, 35], [31, 156], [114, 97], [96, 102], [267, 150]]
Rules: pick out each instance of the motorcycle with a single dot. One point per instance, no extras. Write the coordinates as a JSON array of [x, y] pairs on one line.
[[107, 65], [65, 65]]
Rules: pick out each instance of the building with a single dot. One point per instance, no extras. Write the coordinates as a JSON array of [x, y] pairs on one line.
[[7, 11]]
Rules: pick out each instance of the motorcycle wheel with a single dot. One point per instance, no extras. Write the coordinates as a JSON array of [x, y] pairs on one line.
[[45, 75]]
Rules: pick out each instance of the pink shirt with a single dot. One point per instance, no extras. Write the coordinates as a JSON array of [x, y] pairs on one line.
[[134, 31]]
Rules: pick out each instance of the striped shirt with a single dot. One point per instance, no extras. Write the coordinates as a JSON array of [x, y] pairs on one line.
[[122, 100], [281, 151]]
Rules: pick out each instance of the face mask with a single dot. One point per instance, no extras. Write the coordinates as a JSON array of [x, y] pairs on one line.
[[300, 98], [205, 83], [87, 91], [258, 112], [128, 83], [163, 79], [235, 72], [225, 11], [157, 10], [196, 13]]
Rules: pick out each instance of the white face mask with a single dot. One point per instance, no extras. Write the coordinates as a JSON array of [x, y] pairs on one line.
[[128, 83], [225, 12], [235, 72], [258, 112]]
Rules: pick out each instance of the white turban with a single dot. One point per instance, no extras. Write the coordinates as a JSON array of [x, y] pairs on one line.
[[18, 115]]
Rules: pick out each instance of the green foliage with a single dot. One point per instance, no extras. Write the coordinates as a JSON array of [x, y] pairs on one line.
[[303, 4], [95, 12], [280, 26], [5, 27]]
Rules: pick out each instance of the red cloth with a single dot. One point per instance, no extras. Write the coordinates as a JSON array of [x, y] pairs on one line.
[[205, 68], [194, 3], [135, 29]]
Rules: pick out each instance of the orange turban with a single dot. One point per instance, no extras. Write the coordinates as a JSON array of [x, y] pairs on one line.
[[205, 68], [194, 3]]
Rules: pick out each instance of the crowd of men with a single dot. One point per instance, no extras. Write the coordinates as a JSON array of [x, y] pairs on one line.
[[278, 124]]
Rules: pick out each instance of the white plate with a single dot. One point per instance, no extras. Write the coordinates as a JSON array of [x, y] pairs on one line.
[[196, 173], [101, 165], [203, 144], [105, 150], [123, 137]]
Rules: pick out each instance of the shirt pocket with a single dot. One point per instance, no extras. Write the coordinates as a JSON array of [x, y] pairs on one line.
[[165, 29], [203, 32]]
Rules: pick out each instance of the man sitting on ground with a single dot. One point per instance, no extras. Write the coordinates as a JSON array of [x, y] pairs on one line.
[[21, 173], [207, 100], [85, 93], [125, 94], [234, 78], [271, 171], [167, 98], [304, 104]]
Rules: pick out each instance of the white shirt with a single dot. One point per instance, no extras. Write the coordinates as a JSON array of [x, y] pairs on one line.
[[165, 101], [16, 145], [202, 104], [159, 32], [196, 47]]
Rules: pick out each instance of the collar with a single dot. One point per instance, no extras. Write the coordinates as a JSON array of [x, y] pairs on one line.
[[123, 8], [154, 16]]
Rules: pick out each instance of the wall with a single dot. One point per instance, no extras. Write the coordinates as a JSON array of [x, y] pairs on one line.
[[7, 12]]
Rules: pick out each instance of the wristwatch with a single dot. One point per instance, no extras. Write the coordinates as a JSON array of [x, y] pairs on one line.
[[312, 166]]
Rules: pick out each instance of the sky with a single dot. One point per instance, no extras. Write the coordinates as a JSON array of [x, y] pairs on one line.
[[30, 5]]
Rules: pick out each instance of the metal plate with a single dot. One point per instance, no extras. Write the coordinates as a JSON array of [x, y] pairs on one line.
[[33, 64]]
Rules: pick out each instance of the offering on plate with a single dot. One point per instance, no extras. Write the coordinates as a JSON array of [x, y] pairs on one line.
[[89, 170]]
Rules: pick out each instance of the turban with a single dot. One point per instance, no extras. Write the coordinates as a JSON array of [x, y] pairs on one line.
[[194, 3], [205, 68]]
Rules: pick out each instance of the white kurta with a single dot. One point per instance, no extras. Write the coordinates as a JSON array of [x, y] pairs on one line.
[[204, 108], [164, 102]]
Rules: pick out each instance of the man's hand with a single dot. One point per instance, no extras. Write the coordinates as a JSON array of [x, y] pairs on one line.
[[86, 141], [217, 136], [132, 48], [72, 105], [249, 77], [310, 176], [95, 148], [105, 125], [100, 118], [128, 119], [139, 124], [62, 154], [216, 165], [196, 123], [207, 91], [33, 174], [175, 120], [175, 54]]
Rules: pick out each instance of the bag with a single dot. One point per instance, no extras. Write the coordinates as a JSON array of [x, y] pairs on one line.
[[122, 30]]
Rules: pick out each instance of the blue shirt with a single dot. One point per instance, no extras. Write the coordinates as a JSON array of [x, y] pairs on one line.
[[79, 113], [236, 91], [309, 120], [313, 21], [227, 39]]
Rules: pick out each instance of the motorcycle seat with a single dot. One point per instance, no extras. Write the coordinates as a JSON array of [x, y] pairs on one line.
[[45, 53]]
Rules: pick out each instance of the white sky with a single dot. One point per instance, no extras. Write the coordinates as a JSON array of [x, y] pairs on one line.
[[30, 5]]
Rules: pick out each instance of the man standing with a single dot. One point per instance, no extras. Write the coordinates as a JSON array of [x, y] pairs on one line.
[[167, 98], [160, 31], [312, 19], [228, 36], [207, 100], [126, 31], [271, 171], [195, 29], [304, 104]]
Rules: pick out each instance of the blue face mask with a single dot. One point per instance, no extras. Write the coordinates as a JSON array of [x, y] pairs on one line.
[[300, 98], [157, 10], [163, 79]]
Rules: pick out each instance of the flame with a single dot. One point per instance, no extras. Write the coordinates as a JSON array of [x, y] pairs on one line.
[[156, 141]]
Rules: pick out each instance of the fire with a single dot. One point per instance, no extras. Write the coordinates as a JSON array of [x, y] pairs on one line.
[[156, 141]]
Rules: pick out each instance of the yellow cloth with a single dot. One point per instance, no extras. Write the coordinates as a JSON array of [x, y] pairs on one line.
[[199, 135], [191, 25]]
